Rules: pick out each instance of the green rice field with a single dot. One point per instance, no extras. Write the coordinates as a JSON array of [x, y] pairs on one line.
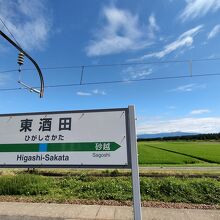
[[179, 152]]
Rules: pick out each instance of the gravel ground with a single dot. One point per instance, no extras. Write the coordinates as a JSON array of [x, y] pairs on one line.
[[114, 203]]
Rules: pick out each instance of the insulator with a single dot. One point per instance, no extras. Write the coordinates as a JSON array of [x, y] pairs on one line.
[[20, 58]]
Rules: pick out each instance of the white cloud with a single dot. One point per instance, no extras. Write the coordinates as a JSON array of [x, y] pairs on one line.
[[197, 125], [153, 27], [98, 92], [199, 8], [214, 31], [121, 32], [93, 92], [188, 87], [185, 40], [29, 22], [83, 93], [136, 72], [199, 111]]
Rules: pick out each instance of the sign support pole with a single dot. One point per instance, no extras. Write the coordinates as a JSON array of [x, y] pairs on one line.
[[134, 165]]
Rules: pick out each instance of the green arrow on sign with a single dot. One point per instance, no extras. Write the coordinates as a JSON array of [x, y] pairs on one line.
[[60, 147], [89, 146]]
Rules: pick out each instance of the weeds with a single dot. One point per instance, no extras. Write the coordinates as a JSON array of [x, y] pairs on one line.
[[169, 189]]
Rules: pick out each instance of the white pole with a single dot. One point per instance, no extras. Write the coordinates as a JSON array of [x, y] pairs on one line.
[[134, 165]]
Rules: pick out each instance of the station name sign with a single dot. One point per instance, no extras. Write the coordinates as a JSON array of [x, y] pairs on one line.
[[91, 138]]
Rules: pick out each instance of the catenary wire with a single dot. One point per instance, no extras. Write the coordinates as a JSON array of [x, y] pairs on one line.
[[111, 65], [4, 24], [120, 64], [116, 81]]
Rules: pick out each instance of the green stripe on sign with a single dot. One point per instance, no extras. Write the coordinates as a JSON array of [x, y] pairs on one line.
[[61, 147], [19, 147]]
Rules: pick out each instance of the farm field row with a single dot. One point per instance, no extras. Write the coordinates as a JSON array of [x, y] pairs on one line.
[[179, 152]]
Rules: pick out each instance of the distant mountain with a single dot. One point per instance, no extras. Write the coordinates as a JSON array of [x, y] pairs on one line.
[[161, 135]]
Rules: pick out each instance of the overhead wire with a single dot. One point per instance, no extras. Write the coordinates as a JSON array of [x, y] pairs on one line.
[[121, 64], [81, 83], [6, 27], [82, 67], [116, 81], [4, 24], [20, 61]]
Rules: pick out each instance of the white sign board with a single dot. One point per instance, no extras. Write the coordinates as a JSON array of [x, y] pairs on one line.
[[80, 138], [93, 138]]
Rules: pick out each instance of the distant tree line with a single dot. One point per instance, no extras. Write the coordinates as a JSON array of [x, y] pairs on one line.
[[211, 136]]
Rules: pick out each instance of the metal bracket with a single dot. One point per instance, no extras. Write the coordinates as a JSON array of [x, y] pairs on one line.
[[31, 89]]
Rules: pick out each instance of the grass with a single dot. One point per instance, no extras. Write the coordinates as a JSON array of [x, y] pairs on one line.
[[190, 165], [149, 155], [170, 189], [179, 152], [24, 185], [74, 184], [149, 172]]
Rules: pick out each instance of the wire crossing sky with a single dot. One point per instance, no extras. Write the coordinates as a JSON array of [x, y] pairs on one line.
[[162, 56]]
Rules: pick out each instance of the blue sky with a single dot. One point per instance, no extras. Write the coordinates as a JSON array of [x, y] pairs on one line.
[[74, 33]]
